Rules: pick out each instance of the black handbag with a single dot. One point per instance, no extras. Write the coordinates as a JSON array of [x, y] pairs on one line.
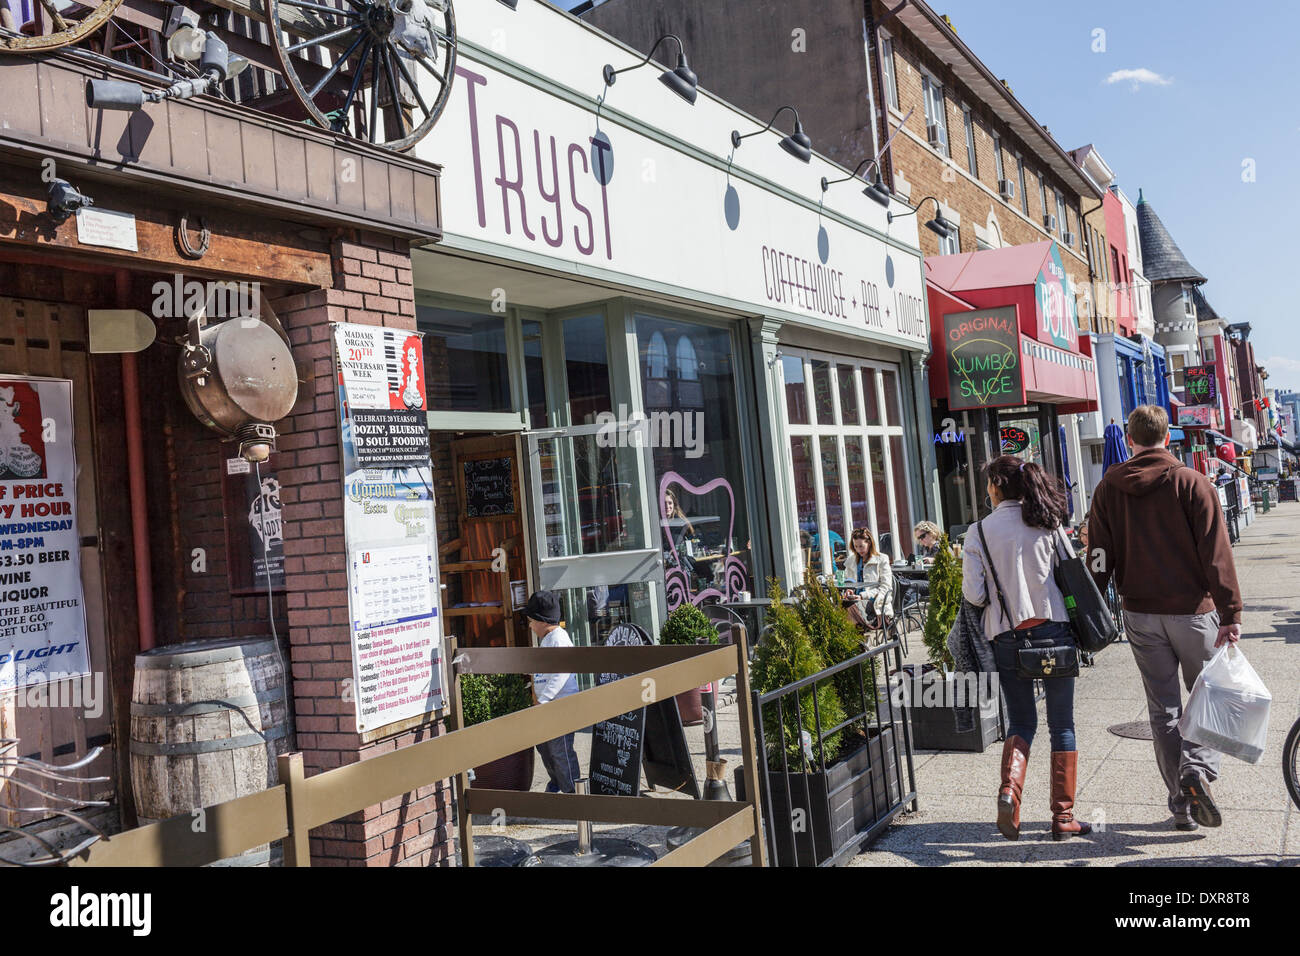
[[1034, 660], [1090, 617]]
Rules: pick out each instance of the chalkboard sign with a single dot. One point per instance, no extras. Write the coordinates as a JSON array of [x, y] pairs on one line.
[[489, 487], [616, 744], [982, 355], [667, 758]]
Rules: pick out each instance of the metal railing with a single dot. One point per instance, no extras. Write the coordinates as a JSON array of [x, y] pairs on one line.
[[299, 803], [796, 841]]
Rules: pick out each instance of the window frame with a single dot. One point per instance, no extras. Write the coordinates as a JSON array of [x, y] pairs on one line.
[[901, 517], [968, 121], [998, 169], [1024, 183], [932, 98], [888, 72]]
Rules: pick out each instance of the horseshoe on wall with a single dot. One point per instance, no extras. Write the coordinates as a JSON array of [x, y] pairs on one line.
[[183, 238]]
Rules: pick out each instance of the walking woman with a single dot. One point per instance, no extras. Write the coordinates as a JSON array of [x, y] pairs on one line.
[[869, 576], [1007, 570]]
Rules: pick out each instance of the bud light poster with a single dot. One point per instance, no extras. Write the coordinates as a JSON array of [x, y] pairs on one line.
[[42, 615]]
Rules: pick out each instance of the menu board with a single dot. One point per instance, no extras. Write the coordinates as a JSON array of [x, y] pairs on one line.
[[616, 744], [42, 614], [489, 487], [388, 523]]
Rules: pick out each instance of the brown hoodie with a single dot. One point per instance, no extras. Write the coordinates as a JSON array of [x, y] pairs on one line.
[[1157, 525]]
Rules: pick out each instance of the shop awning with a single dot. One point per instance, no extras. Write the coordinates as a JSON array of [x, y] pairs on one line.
[[1176, 434]]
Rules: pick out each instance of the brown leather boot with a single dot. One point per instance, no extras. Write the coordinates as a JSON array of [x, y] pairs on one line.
[[1015, 760], [1065, 769]]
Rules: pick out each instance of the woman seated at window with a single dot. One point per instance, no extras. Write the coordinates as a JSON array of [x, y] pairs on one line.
[[869, 578]]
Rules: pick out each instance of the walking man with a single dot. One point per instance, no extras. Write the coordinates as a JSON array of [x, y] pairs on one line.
[[1157, 526]]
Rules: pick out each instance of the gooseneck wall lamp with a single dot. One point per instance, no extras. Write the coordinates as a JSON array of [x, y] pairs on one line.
[[876, 191], [938, 225], [797, 144], [186, 40], [681, 79]]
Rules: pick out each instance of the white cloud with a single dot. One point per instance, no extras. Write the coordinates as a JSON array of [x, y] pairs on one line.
[[1139, 78]]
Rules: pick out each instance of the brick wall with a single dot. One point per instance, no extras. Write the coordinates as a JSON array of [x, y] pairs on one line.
[[372, 286], [973, 194]]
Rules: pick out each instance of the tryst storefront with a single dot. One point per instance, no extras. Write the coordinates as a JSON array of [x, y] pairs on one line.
[[659, 370], [1007, 363]]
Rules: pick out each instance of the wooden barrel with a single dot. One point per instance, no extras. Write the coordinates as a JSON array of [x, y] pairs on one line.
[[208, 719]]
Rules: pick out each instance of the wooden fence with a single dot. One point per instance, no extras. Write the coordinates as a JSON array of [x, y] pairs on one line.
[[300, 803]]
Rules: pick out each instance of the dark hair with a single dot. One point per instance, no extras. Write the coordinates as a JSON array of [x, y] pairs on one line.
[[1040, 494], [863, 534]]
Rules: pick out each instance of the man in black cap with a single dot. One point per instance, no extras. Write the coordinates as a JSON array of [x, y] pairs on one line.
[[558, 755]]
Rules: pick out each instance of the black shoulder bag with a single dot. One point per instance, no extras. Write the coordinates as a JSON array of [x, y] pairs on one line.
[[1090, 618], [1034, 661]]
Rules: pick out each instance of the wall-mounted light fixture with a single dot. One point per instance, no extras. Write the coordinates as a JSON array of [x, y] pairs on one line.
[[681, 79], [797, 144], [185, 41], [63, 200], [876, 191], [938, 225]]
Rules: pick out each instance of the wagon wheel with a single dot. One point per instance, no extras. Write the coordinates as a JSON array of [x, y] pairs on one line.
[[55, 24], [394, 58]]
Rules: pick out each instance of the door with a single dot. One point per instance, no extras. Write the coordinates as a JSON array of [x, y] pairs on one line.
[[43, 339], [591, 533], [486, 564]]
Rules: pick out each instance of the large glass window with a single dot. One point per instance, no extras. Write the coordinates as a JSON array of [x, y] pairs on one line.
[[586, 368], [535, 382], [849, 469], [465, 363], [693, 429]]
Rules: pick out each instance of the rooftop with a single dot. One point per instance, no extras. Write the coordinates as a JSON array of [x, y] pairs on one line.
[[1162, 260]]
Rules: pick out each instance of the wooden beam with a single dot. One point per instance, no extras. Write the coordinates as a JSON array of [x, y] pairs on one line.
[[303, 22], [242, 246]]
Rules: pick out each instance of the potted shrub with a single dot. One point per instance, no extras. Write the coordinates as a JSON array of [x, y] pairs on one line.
[[836, 638], [685, 625], [859, 782], [484, 697], [934, 718]]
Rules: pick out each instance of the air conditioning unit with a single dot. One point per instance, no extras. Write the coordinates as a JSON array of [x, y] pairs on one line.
[[1067, 238], [1049, 222], [1008, 189], [934, 133]]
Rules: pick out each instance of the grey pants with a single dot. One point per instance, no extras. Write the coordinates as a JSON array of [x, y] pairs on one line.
[[1163, 644]]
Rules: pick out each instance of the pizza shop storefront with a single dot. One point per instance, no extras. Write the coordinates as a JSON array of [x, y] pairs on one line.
[[1007, 362]]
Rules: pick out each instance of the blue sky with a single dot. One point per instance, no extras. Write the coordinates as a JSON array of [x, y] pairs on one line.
[[1177, 97], [1221, 90]]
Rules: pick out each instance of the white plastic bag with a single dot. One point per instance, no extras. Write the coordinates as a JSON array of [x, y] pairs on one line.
[[1228, 708]]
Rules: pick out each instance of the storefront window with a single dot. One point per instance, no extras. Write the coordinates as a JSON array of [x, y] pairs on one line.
[[822, 392], [465, 361], [870, 398], [535, 382], [859, 460], [688, 384], [845, 376], [606, 513], [796, 394], [586, 367]]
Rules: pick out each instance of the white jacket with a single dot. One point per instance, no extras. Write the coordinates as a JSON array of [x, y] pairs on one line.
[[1023, 558], [549, 687]]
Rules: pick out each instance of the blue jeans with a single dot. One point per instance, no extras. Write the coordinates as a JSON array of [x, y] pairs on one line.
[[561, 763], [1022, 712]]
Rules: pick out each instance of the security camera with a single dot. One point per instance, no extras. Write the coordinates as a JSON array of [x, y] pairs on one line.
[[64, 200]]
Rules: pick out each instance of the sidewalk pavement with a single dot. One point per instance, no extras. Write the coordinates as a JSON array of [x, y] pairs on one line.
[[1119, 786]]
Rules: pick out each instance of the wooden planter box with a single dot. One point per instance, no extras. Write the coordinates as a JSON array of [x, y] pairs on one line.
[[935, 728], [855, 805]]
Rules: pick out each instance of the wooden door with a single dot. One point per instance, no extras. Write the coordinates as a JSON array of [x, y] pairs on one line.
[[49, 339], [491, 521]]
